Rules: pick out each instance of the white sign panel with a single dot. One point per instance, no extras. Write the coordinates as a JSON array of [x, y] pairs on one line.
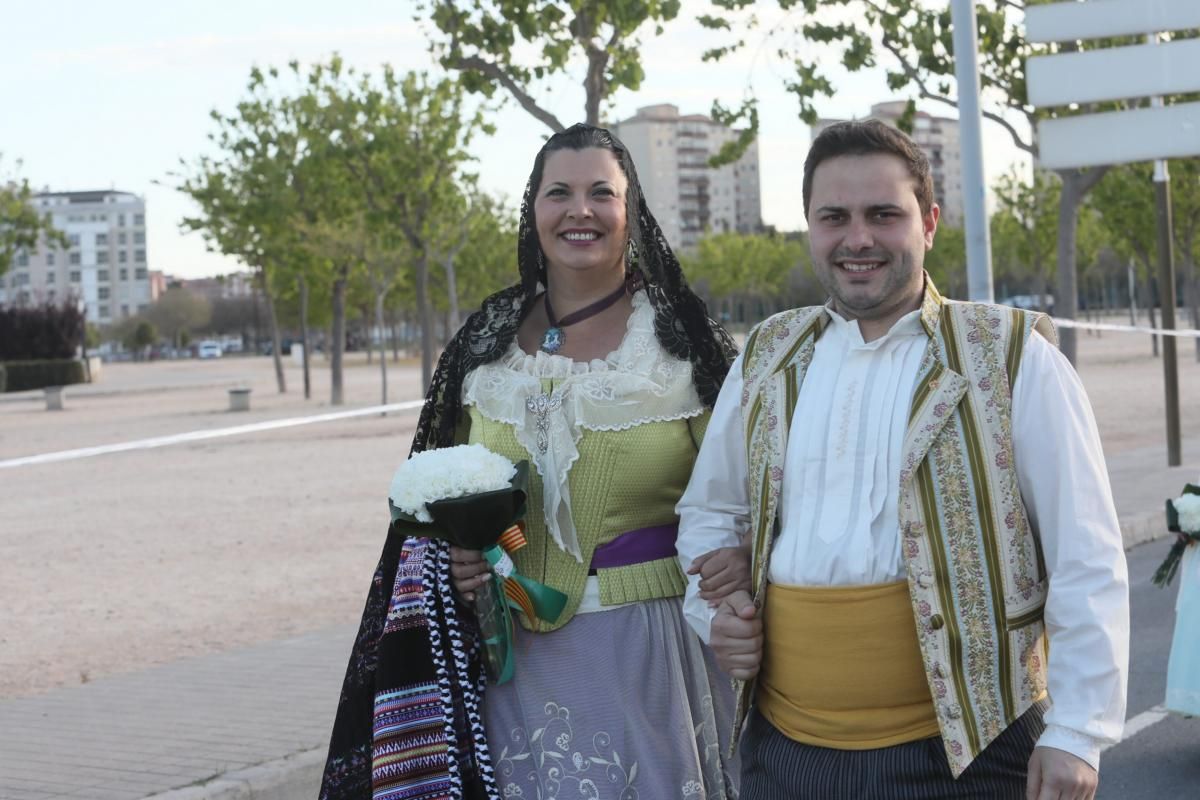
[[1098, 19], [1120, 137], [1115, 74]]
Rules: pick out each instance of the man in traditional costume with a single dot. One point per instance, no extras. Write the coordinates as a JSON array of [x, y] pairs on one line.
[[939, 597]]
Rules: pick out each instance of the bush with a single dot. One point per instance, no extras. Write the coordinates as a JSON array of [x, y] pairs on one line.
[[25, 375], [40, 332]]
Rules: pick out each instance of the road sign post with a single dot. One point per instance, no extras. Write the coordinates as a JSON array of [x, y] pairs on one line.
[[1141, 134]]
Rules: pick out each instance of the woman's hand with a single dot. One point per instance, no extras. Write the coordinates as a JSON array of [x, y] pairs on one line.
[[469, 570], [722, 572]]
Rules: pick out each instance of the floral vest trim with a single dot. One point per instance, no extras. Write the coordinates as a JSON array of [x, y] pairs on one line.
[[974, 565]]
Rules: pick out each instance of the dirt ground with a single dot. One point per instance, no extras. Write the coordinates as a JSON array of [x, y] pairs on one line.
[[123, 561]]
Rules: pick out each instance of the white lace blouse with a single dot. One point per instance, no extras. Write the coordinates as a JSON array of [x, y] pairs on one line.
[[549, 400]]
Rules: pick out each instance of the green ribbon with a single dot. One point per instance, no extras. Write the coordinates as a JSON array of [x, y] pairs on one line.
[[545, 603]]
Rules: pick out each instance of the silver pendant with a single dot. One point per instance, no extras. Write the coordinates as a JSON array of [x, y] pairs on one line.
[[552, 340], [540, 406]]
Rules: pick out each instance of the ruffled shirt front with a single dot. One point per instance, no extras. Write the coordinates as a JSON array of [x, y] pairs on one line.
[[549, 400]]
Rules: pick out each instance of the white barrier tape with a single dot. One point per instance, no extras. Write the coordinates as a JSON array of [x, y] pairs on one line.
[[1104, 326], [197, 436]]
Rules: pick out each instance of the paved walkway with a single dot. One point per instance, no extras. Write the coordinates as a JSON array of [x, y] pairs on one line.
[[197, 728], [183, 724]]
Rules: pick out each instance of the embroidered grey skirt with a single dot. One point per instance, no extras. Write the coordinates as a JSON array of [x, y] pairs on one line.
[[620, 704]]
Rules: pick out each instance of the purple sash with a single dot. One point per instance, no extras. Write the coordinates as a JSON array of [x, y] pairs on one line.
[[636, 547]]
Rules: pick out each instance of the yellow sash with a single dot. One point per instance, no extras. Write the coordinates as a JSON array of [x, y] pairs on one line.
[[842, 667]]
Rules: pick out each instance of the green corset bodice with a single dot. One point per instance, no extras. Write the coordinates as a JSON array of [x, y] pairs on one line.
[[623, 480]]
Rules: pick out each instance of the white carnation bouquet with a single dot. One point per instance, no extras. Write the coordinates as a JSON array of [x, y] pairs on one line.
[[1183, 519], [474, 498], [447, 473]]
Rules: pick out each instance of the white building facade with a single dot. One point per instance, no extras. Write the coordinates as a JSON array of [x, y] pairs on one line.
[[685, 194], [104, 265]]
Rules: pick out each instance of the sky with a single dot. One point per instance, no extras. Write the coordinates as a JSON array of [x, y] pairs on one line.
[[113, 95]]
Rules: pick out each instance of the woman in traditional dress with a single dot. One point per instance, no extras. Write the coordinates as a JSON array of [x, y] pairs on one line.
[[1183, 667], [600, 367]]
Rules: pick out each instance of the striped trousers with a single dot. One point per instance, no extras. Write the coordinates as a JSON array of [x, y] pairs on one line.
[[775, 767]]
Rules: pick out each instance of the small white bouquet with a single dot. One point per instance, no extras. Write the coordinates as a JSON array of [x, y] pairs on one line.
[[474, 498], [447, 473], [1183, 519]]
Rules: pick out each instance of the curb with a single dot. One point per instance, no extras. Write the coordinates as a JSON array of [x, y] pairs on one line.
[[288, 778], [1145, 527]]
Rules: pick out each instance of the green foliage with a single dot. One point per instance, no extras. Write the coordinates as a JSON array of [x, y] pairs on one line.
[[1125, 201], [45, 331], [946, 263], [21, 227], [144, 335], [21, 376], [178, 313], [757, 265], [511, 45]]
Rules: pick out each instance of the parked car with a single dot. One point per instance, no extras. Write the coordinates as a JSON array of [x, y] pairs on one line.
[[208, 349]]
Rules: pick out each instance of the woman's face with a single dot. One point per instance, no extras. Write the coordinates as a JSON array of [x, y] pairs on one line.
[[580, 210]]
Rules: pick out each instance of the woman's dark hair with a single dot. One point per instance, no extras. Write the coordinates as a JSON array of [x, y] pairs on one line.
[[869, 137], [681, 320]]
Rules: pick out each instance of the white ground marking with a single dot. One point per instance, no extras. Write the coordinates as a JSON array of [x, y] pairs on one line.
[[1144, 720], [196, 436]]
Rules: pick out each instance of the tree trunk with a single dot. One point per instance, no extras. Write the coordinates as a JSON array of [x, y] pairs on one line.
[[304, 336], [1039, 282], [1192, 291], [452, 296], [1076, 183], [426, 315], [1150, 295], [366, 326], [338, 338], [379, 295], [394, 333], [276, 344]]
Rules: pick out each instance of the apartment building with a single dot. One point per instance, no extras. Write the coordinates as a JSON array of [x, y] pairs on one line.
[[104, 265], [685, 194]]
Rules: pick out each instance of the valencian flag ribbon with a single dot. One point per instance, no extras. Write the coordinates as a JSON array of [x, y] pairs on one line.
[[492, 522], [535, 600]]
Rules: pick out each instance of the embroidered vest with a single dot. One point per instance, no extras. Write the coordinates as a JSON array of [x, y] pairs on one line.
[[974, 566]]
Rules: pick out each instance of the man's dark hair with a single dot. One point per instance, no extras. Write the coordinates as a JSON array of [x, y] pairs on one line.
[[864, 138]]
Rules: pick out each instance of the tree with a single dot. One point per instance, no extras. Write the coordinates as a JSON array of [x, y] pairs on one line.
[[1027, 219], [1125, 201], [1185, 201], [735, 266], [178, 313], [913, 41], [946, 263], [404, 142], [243, 195], [21, 227], [510, 45]]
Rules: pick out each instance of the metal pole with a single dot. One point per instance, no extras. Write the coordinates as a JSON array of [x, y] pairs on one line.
[[966, 72], [1132, 296], [1166, 279]]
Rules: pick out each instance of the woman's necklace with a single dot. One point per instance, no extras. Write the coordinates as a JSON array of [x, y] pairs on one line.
[[554, 337]]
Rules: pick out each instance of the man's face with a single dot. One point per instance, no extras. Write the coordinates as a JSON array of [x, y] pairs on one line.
[[868, 237]]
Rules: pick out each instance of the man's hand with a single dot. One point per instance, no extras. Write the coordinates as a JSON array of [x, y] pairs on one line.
[[469, 569], [1058, 775], [722, 571], [736, 636]]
